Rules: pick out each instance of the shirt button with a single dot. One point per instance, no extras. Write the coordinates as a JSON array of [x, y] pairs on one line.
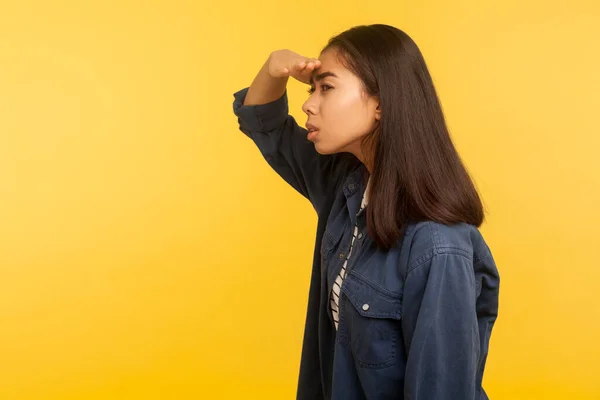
[[365, 307], [341, 255], [360, 235]]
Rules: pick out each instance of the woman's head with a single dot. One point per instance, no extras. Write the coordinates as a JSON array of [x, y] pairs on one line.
[[382, 106], [339, 107]]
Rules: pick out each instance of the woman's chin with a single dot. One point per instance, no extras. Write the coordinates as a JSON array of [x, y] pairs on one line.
[[322, 149]]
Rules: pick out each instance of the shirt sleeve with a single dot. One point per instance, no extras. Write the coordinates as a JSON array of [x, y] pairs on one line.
[[284, 146], [441, 329]]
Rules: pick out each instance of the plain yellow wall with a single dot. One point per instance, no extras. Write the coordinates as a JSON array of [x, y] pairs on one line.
[[147, 251]]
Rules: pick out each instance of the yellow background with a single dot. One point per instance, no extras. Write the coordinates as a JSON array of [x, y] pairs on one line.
[[147, 251]]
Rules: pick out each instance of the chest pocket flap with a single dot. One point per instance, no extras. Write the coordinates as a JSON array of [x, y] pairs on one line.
[[369, 300]]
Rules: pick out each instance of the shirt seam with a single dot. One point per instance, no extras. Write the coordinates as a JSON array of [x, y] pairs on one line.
[[432, 254]]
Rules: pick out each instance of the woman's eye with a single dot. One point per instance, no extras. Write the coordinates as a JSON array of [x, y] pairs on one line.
[[324, 88]]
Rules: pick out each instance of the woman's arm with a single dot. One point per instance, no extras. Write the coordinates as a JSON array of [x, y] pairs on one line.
[[441, 330], [263, 115]]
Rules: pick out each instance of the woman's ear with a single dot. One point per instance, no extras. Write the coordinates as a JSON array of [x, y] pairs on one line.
[[378, 112]]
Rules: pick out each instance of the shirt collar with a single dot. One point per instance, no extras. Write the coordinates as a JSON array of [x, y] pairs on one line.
[[355, 180]]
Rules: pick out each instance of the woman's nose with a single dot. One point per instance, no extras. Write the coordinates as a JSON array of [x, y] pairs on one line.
[[308, 107]]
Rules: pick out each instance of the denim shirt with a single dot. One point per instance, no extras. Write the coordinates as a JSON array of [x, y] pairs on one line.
[[415, 321]]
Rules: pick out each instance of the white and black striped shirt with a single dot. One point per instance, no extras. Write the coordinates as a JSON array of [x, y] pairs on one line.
[[337, 285]]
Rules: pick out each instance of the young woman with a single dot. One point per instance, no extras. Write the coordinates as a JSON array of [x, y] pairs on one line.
[[404, 289]]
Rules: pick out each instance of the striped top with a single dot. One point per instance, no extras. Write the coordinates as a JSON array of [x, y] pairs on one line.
[[337, 285]]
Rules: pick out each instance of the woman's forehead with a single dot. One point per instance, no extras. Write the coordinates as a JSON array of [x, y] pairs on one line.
[[330, 62], [330, 59]]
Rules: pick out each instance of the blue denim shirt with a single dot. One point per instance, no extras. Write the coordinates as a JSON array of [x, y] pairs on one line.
[[415, 321]]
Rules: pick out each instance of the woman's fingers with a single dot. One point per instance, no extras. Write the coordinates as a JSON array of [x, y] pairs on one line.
[[301, 68], [315, 62], [309, 63], [290, 64]]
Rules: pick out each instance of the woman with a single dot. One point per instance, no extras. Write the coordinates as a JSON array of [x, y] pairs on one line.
[[404, 289]]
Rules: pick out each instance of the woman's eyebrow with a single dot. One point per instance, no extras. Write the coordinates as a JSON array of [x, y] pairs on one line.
[[320, 76]]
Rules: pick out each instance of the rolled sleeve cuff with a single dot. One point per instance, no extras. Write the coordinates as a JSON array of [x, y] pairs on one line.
[[260, 117]]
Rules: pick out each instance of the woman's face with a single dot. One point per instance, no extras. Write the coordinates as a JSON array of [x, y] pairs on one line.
[[339, 108]]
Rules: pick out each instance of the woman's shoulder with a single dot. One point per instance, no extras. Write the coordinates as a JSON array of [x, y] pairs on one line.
[[428, 238]]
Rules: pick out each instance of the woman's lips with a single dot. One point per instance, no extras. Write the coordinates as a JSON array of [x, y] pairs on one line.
[[312, 134]]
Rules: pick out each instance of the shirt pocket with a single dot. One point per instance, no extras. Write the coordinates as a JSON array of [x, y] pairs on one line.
[[370, 322]]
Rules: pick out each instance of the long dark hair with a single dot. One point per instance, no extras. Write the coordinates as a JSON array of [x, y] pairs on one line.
[[417, 174]]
